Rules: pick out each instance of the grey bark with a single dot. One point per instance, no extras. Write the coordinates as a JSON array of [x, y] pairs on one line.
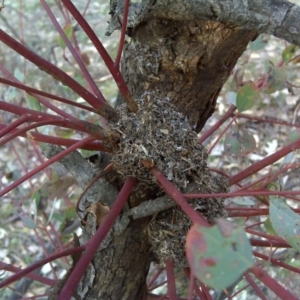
[[276, 17]]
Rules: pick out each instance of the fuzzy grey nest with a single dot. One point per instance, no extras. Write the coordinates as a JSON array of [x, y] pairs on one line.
[[162, 135]]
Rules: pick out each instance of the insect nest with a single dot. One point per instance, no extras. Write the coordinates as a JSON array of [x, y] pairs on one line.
[[160, 134]]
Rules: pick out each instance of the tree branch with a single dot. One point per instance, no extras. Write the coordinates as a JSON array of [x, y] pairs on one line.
[[276, 17]]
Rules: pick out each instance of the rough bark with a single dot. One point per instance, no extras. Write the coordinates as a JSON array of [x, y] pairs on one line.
[[276, 17], [187, 61], [120, 267]]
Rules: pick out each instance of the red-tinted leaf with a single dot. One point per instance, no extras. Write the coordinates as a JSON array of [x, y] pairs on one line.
[[218, 256], [246, 96]]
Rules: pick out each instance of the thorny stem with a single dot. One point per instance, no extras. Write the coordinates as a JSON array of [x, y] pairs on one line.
[[94, 243]]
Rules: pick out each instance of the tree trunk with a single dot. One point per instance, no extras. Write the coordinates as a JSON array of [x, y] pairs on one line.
[[188, 62]]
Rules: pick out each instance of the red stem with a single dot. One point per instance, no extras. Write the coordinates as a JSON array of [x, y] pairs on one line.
[[272, 284], [265, 120], [265, 235], [268, 244], [103, 109], [264, 163], [45, 164], [178, 197], [44, 94], [21, 131], [217, 125], [276, 262], [77, 57], [243, 193], [220, 135], [35, 116], [254, 286], [152, 280], [33, 276], [171, 279], [103, 53], [205, 291], [39, 137], [93, 245], [6, 129], [24, 272], [190, 275], [123, 33]]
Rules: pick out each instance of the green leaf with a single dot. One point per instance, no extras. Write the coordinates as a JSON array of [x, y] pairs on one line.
[[247, 140], [33, 103], [218, 255], [232, 145], [28, 222], [68, 30], [285, 222], [245, 97], [244, 201], [293, 135], [272, 186], [269, 228], [287, 159], [231, 98], [289, 52], [276, 80], [69, 214], [239, 141], [18, 74], [64, 132], [259, 43]]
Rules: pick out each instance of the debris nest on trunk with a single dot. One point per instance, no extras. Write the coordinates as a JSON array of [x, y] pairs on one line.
[[159, 133]]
